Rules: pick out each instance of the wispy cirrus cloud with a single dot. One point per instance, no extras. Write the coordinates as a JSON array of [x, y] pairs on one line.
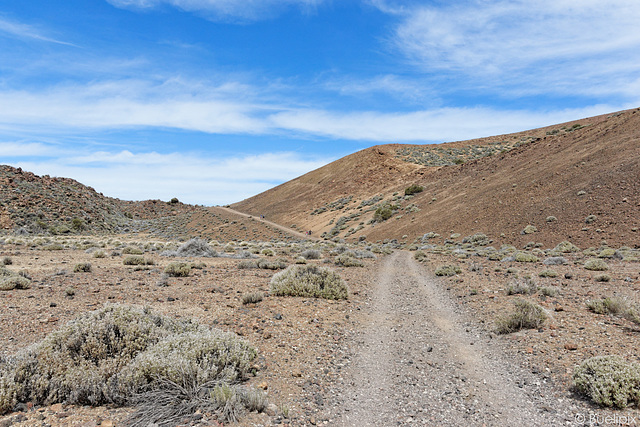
[[548, 46], [251, 10], [24, 31]]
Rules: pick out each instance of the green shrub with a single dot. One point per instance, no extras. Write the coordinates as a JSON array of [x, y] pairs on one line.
[[383, 213], [566, 247], [608, 306], [413, 189], [114, 354], [602, 278], [10, 280], [137, 260], [419, 256], [309, 281], [311, 254], [448, 270], [595, 264], [83, 267], [344, 260], [529, 229], [178, 269], [549, 291], [526, 257], [268, 252], [607, 253], [548, 274], [99, 254], [130, 250], [527, 315], [609, 381]]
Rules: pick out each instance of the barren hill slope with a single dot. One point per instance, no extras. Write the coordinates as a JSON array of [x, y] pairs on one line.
[[496, 185], [47, 205]]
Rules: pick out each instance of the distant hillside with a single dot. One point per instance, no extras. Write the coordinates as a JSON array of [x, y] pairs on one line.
[[551, 178], [32, 204]]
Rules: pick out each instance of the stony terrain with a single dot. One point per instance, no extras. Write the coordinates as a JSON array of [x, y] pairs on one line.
[[552, 178]]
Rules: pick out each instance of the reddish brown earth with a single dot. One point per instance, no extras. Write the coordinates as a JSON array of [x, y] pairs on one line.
[[498, 195]]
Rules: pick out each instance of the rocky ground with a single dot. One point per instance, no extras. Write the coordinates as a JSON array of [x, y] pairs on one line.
[[406, 348]]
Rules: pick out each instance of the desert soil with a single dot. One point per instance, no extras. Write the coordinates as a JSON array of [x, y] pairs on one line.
[[406, 348]]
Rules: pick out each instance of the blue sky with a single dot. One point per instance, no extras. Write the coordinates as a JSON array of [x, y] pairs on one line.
[[213, 101]]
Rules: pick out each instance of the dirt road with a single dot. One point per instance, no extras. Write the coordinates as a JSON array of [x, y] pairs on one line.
[[272, 224], [421, 362]]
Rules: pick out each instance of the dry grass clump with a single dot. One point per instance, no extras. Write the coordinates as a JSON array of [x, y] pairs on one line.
[[526, 257], [117, 354], [615, 306], [448, 270], [548, 274], [527, 315], [265, 264], [137, 260], [522, 286], [130, 250], [10, 280], [609, 381], [178, 269], [478, 239], [309, 281], [99, 254], [346, 260], [6, 260], [252, 298], [82, 267], [311, 254], [595, 264], [566, 247]]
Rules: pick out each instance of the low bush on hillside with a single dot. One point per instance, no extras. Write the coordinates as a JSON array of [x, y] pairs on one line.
[[526, 257], [309, 281], [311, 254], [595, 264], [617, 307], [192, 248], [413, 189], [345, 260], [522, 286], [6, 260], [83, 267], [527, 315], [566, 247], [126, 355], [609, 381], [448, 270], [265, 264], [10, 280], [130, 250], [252, 298], [178, 269], [137, 260]]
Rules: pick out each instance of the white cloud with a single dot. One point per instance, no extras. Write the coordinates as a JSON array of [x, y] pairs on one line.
[[24, 31], [408, 90], [547, 45], [20, 149], [224, 9], [193, 178], [440, 125]]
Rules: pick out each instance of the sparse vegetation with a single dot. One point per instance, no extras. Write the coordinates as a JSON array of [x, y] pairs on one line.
[[413, 189], [252, 298], [82, 267], [137, 260], [309, 281], [345, 260], [609, 381], [527, 315], [178, 269], [118, 354], [448, 270], [595, 264], [10, 280], [522, 286]]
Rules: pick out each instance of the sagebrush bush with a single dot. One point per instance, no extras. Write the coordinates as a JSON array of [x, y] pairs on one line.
[[137, 260], [7, 260], [413, 189], [448, 270], [527, 315], [566, 247], [526, 257], [267, 252], [252, 298], [10, 280], [113, 354], [555, 260], [609, 381], [196, 248], [595, 264], [130, 250], [548, 274], [309, 281], [345, 260], [99, 254], [311, 254], [522, 286], [178, 269], [83, 267]]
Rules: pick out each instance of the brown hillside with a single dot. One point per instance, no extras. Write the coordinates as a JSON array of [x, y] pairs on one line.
[[44, 205], [568, 171]]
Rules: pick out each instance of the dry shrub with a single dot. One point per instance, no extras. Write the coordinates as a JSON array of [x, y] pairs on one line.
[[178, 269], [309, 281], [527, 315], [10, 280], [609, 381]]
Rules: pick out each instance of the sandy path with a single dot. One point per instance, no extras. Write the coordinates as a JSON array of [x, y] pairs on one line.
[[272, 224], [419, 362]]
